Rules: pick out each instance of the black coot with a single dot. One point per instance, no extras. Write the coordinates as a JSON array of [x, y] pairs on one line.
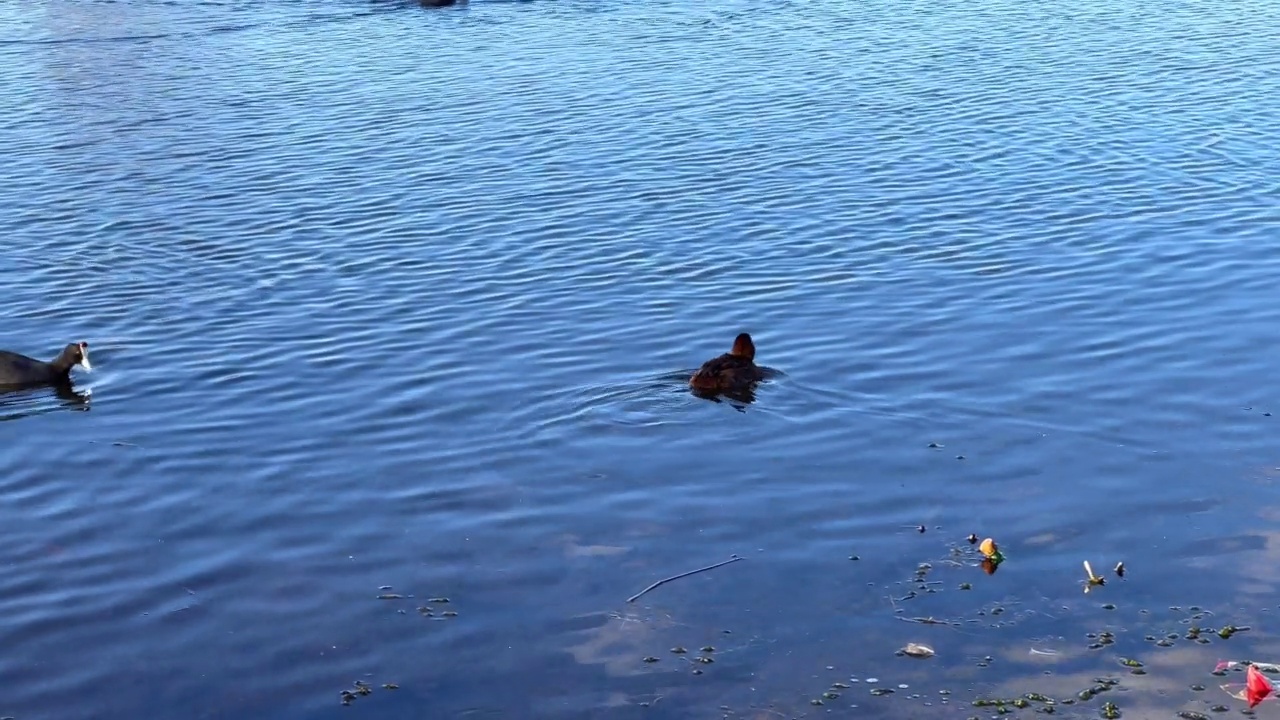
[[18, 369]]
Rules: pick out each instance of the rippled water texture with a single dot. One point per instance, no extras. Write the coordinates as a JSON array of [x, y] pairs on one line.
[[384, 296]]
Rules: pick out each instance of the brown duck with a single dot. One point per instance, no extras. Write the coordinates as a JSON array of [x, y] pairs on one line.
[[733, 372]]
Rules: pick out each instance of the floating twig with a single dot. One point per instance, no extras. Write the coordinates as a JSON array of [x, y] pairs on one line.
[[926, 621], [633, 598]]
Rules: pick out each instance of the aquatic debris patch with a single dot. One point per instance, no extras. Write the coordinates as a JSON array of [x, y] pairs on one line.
[[427, 610], [917, 650], [697, 661], [1135, 666], [1257, 686], [361, 688], [1093, 580], [1115, 633], [1047, 704], [1121, 631]]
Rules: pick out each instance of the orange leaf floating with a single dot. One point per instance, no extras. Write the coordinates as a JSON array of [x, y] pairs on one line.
[[1257, 686], [988, 548], [991, 557]]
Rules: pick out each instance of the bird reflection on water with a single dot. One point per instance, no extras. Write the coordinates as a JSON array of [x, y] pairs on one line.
[[23, 402]]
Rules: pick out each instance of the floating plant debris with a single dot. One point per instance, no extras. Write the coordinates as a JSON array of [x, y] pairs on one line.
[[1228, 630], [881, 691], [1153, 628], [424, 610], [359, 689], [1093, 580], [928, 621], [917, 650], [991, 551]]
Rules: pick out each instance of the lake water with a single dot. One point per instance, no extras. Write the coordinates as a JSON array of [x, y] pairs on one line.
[[393, 301]]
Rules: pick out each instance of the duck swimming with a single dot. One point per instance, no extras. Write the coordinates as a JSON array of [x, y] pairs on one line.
[[18, 369], [735, 372]]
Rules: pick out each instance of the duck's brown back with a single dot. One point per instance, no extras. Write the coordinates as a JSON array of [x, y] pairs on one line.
[[725, 372]]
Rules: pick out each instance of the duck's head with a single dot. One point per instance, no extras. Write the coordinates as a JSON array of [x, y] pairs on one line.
[[75, 354], [743, 347]]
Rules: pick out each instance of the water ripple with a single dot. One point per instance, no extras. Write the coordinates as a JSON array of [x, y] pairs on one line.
[[385, 296]]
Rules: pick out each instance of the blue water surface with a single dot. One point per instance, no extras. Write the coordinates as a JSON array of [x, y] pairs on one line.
[[391, 301]]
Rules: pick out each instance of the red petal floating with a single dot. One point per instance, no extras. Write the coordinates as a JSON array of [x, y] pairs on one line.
[[1257, 686]]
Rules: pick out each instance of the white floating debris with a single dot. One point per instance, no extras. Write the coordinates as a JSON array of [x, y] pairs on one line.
[[917, 650]]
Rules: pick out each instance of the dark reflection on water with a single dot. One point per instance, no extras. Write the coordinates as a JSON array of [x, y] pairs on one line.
[[20, 402], [411, 299]]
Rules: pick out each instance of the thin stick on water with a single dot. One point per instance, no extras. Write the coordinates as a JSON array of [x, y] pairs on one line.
[[633, 598]]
